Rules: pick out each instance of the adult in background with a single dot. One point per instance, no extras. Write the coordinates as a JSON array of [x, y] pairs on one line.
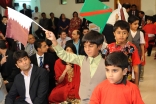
[[36, 17], [133, 11], [53, 24], [63, 23], [68, 79], [75, 23]]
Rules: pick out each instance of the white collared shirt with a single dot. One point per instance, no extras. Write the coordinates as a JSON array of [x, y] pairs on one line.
[[27, 85], [112, 18], [142, 39], [59, 40], [38, 59]]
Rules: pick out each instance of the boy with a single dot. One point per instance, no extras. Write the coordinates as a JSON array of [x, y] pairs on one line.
[[150, 30], [121, 30], [116, 89], [92, 67]]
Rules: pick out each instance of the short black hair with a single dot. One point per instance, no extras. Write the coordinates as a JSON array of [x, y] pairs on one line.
[[4, 17], [19, 54], [42, 13], [141, 12], [85, 28], [51, 13], [48, 42], [118, 59], [150, 18], [37, 43], [60, 32], [3, 44], [133, 5], [126, 5], [121, 24], [93, 37], [132, 19]]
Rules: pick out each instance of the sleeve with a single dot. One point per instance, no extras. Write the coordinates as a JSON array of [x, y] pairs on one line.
[[135, 57], [95, 98], [142, 39], [12, 94], [58, 71], [136, 97], [42, 88], [68, 57]]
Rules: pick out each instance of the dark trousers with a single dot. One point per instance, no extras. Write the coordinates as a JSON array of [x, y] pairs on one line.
[[108, 33], [149, 49]]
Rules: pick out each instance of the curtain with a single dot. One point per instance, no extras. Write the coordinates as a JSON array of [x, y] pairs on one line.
[[5, 3]]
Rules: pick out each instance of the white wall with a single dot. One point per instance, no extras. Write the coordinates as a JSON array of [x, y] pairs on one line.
[[57, 8], [32, 3], [148, 6]]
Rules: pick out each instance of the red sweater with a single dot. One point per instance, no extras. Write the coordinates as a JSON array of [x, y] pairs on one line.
[[107, 93]]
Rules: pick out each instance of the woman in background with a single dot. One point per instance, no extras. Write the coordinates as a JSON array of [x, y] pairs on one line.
[[75, 23], [67, 78], [63, 23]]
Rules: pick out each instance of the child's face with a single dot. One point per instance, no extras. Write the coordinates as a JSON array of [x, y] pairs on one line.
[[149, 21], [134, 26], [120, 35], [115, 74], [92, 50]]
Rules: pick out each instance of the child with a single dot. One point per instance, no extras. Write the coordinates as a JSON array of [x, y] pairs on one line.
[[150, 29], [121, 30], [92, 67], [116, 89]]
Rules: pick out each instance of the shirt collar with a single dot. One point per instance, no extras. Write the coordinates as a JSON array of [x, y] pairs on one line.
[[91, 59], [38, 56], [29, 73], [77, 42]]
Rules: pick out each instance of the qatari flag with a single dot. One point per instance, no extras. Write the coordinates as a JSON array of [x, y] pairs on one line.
[[18, 26]]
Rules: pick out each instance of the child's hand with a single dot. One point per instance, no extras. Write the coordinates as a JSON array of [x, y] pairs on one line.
[[50, 35]]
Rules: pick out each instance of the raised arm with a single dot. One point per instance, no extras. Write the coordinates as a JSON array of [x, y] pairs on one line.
[[62, 54]]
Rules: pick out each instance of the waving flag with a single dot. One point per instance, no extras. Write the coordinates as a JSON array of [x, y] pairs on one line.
[[18, 26], [96, 12], [121, 12]]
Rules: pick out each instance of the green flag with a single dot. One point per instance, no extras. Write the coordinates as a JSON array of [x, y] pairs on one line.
[[96, 12]]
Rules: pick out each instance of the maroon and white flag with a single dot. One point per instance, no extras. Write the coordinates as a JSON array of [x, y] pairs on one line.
[[18, 26]]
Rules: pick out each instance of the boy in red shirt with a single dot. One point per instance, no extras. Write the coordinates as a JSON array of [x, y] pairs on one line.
[[150, 30], [121, 31], [116, 89]]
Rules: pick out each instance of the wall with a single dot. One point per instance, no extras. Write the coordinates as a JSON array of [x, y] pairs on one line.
[[33, 3], [55, 7], [148, 6]]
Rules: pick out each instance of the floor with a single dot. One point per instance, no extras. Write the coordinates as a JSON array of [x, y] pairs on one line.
[[148, 86]]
